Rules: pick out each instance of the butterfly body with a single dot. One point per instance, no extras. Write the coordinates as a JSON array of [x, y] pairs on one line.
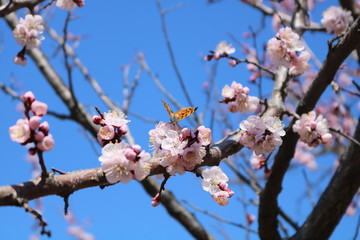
[[179, 115]]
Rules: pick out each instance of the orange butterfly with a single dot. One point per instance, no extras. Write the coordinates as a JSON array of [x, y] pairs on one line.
[[179, 115]]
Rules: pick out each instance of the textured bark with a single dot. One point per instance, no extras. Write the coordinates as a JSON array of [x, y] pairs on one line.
[[336, 197], [268, 208]]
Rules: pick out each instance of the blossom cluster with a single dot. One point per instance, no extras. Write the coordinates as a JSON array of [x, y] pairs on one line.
[[283, 48], [312, 129], [113, 126], [30, 129], [69, 4], [261, 134], [27, 31], [179, 149], [121, 162], [237, 98], [222, 50], [336, 20], [215, 182]]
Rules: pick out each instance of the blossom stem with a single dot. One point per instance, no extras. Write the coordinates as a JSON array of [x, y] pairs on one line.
[[44, 173]]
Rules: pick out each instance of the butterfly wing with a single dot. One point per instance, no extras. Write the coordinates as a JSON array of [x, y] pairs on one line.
[[183, 113], [167, 108]]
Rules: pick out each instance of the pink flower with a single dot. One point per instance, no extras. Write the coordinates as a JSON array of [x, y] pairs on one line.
[[304, 156], [221, 198], [223, 49], [142, 166], [299, 64], [115, 164], [204, 135], [336, 19], [106, 133], [312, 130], [238, 100], [20, 132], [44, 127], [27, 31], [46, 144], [261, 135], [257, 161], [282, 51], [66, 4], [178, 149], [115, 118], [212, 178], [39, 108]]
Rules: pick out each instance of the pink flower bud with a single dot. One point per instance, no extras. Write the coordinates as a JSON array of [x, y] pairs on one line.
[[245, 90], [221, 198], [130, 154], [186, 133], [222, 185], [46, 144], [123, 129], [44, 127], [97, 120], [79, 3], [208, 57], [136, 148], [155, 201], [34, 122], [250, 219], [39, 136], [217, 56], [326, 138], [32, 151], [18, 60], [29, 97], [232, 62], [39, 108]]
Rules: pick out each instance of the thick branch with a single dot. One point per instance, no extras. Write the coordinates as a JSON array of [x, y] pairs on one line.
[[62, 185], [268, 199], [14, 5], [336, 197]]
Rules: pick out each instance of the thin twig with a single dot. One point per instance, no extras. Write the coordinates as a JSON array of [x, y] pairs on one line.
[[220, 218], [38, 216], [172, 55], [345, 135]]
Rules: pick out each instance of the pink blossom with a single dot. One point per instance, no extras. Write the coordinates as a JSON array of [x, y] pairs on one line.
[[46, 144], [106, 133], [237, 98], [257, 161], [221, 198], [79, 233], [312, 129], [299, 64], [115, 164], [66, 4], [115, 118], [20, 132], [204, 135], [212, 178], [39, 136], [223, 49], [250, 218], [178, 149], [261, 135], [39, 108], [282, 51], [27, 31], [336, 19], [142, 166], [304, 156]]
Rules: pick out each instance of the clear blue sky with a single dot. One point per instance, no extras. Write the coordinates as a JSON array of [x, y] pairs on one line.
[[113, 34]]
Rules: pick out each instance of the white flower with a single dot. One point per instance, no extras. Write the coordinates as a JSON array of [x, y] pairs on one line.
[[66, 4], [115, 118], [27, 31], [212, 178], [336, 19]]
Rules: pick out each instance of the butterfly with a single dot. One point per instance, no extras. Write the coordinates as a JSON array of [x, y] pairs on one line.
[[179, 115]]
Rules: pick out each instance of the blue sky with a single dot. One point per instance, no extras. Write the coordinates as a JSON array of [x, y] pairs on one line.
[[112, 35]]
